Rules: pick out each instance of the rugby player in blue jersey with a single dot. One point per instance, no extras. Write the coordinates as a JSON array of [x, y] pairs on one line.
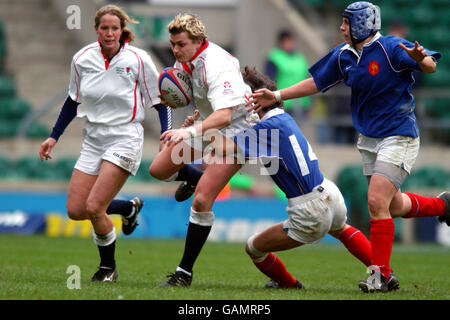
[[379, 71], [315, 205]]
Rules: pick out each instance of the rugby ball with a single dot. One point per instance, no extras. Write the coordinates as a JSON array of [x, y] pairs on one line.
[[175, 87]]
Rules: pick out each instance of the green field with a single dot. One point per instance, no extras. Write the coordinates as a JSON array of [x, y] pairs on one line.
[[34, 267]]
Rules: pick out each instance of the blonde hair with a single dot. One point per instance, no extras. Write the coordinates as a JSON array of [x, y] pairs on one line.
[[127, 34], [189, 23]]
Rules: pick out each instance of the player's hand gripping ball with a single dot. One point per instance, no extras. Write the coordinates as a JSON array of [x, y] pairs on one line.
[[175, 87]]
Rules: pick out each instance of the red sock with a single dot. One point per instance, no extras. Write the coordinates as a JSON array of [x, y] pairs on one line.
[[357, 244], [272, 267], [382, 233], [425, 206]]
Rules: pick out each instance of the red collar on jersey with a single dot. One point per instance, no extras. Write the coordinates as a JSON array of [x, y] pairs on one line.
[[202, 48], [185, 65], [186, 68], [107, 60]]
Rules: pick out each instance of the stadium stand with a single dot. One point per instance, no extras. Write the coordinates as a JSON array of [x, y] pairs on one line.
[[13, 108], [2, 46]]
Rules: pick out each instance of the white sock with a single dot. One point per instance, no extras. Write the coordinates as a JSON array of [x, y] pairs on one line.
[[106, 239]]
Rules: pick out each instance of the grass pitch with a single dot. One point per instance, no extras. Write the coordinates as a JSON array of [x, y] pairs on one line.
[[34, 267]]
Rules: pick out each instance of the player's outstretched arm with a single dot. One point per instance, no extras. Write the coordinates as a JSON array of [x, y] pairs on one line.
[[418, 54], [263, 97]]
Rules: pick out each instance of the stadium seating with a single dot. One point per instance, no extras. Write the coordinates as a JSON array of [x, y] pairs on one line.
[[5, 166], [353, 185], [7, 87], [428, 177], [2, 46], [31, 167], [64, 167], [13, 108], [12, 111]]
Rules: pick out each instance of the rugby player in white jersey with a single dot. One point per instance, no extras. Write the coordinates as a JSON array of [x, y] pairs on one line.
[[220, 95], [111, 82]]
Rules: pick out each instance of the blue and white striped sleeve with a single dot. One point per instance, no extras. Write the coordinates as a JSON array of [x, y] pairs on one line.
[[165, 117]]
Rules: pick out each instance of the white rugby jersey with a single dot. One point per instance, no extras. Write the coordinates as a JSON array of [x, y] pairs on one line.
[[217, 83], [113, 92]]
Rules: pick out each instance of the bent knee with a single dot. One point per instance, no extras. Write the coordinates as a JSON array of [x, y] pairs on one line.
[[155, 173], [376, 202], [159, 174], [202, 202], [250, 249], [77, 214], [337, 233], [94, 209]]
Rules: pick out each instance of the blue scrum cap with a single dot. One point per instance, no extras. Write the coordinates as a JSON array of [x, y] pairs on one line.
[[364, 19]]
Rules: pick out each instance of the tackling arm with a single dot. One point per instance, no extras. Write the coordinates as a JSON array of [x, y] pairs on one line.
[[264, 97]]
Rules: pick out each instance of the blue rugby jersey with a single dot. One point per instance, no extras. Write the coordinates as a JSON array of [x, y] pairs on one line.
[[298, 168], [380, 80]]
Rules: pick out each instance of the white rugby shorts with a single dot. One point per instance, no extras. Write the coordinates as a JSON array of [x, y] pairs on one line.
[[313, 215], [120, 145], [401, 151]]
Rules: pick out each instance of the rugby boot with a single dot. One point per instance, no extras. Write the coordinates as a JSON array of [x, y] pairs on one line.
[[130, 223], [392, 282], [274, 285], [375, 283], [184, 191], [105, 274], [177, 279]]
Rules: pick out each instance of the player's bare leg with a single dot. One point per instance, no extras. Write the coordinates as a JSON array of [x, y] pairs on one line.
[[171, 159], [110, 180], [80, 186], [260, 247], [201, 219], [382, 232]]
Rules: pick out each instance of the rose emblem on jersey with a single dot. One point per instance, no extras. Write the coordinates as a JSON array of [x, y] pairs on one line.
[[227, 88], [374, 67]]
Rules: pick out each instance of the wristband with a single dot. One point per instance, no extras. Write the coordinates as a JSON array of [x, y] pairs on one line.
[[191, 131], [278, 95]]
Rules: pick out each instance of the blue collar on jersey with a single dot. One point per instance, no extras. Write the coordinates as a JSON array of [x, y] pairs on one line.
[[271, 113]]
